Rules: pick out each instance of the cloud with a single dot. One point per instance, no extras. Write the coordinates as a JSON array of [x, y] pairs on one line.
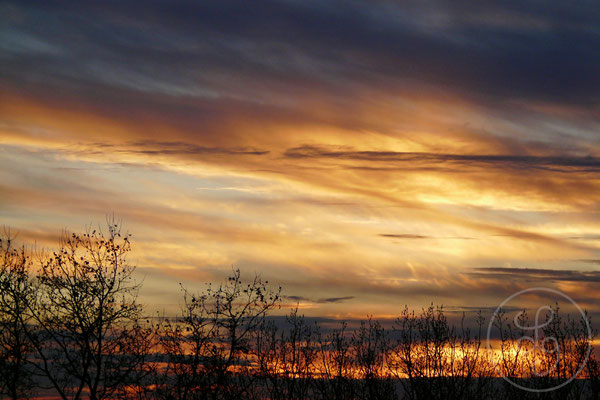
[[538, 274], [335, 299], [590, 261], [162, 148], [404, 236], [412, 236], [517, 162], [319, 301], [475, 309], [585, 237], [297, 298], [492, 53]]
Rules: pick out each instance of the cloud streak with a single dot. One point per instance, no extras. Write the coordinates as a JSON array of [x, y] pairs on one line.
[[518, 162], [413, 236], [319, 301], [539, 274]]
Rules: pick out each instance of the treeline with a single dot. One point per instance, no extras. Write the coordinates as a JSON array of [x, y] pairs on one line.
[[71, 327]]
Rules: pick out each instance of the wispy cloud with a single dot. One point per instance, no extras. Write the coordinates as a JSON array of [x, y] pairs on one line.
[[538, 274], [518, 162], [319, 301], [413, 236]]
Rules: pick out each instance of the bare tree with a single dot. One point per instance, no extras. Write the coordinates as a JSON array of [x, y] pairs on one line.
[[434, 359], [237, 311], [574, 345], [209, 349], [90, 341], [286, 358], [16, 297], [186, 343], [335, 365], [370, 344]]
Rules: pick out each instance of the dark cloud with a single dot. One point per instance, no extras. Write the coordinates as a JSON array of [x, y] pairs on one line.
[[335, 299], [521, 162], [297, 298], [412, 236], [183, 148], [404, 236], [585, 237], [159, 148], [537, 274], [320, 301], [493, 50], [589, 261], [485, 310]]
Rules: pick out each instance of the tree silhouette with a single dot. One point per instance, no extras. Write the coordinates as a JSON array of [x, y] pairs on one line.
[[208, 348], [16, 298], [88, 338], [73, 325]]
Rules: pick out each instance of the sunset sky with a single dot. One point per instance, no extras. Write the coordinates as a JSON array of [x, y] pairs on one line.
[[362, 155]]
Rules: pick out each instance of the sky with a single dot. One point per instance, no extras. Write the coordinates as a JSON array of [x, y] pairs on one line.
[[364, 155]]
